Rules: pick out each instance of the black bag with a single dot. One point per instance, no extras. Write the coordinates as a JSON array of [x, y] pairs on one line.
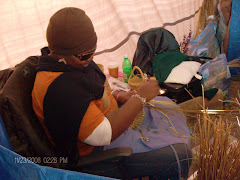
[[181, 92], [158, 40], [151, 42]]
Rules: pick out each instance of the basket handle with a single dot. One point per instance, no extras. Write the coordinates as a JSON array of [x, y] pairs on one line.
[[134, 68]]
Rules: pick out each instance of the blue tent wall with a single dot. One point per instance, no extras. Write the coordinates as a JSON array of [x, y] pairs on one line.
[[4, 140], [234, 35]]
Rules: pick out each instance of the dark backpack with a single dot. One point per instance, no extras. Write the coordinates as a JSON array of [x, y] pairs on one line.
[[151, 42]]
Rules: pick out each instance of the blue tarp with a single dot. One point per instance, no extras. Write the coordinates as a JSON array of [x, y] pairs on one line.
[[234, 35], [15, 167]]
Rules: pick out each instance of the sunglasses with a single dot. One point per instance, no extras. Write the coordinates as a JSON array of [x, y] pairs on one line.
[[85, 56]]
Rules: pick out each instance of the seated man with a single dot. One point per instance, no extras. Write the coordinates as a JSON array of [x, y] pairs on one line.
[[80, 115]]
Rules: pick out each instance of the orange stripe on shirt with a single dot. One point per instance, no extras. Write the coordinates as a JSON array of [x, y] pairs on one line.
[[92, 118], [42, 81]]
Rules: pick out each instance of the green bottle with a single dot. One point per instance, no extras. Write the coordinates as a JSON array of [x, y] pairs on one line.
[[127, 68]]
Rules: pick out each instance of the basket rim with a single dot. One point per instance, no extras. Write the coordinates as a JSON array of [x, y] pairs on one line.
[[132, 72]]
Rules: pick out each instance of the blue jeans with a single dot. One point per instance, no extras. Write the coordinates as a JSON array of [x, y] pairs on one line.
[[171, 162]]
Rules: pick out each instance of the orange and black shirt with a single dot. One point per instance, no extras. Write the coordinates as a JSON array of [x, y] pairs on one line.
[[68, 103]]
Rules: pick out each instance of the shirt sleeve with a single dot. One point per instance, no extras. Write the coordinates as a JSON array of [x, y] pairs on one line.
[[95, 129], [102, 135]]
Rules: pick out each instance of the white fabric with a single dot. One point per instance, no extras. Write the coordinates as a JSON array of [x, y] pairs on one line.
[[102, 135], [118, 24], [184, 72]]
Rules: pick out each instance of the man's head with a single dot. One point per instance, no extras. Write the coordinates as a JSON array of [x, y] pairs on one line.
[[70, 32]]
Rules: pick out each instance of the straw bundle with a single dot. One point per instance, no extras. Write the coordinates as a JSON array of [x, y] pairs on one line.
[[216, 152], [217, 157], [207, 9]]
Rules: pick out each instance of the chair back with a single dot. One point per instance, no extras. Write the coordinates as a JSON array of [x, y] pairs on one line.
[[24, 129]]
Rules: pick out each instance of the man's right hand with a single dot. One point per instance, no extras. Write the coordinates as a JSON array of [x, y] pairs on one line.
[[148, 90]]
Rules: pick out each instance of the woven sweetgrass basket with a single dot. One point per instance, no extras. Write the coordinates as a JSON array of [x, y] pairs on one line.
[[135, 80], [138, 120]]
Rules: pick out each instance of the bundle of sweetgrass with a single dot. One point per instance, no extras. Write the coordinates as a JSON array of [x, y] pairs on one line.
[[217, 155], [207, 9]]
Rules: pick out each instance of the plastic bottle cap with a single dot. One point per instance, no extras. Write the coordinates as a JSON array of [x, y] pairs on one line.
[[125, 56]]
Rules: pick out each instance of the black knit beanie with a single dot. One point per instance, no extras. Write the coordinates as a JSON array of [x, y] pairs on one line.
[[70, 31]]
